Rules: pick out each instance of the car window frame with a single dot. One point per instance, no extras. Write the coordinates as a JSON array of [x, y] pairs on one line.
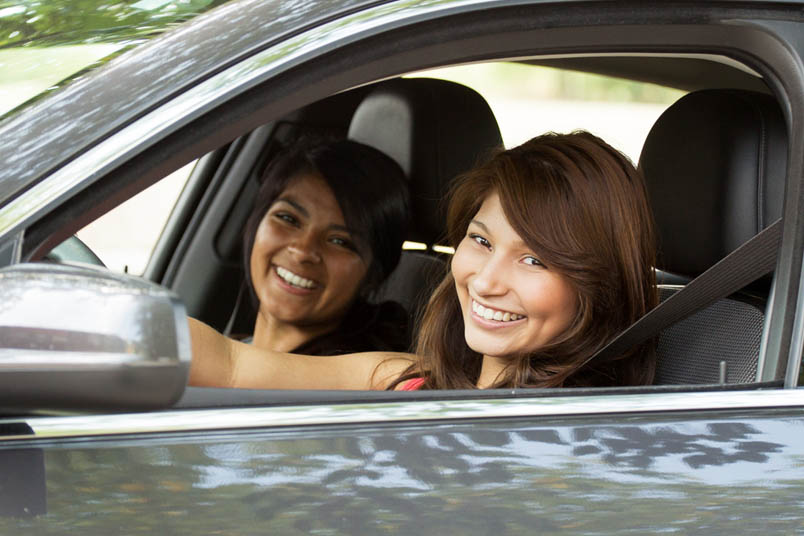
[[304, 79]]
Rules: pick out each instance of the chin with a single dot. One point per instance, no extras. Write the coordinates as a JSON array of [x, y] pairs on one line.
[[281, 314], [482, 345]]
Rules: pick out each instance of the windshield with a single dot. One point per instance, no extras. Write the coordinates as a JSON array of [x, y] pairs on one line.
[[46, 44]]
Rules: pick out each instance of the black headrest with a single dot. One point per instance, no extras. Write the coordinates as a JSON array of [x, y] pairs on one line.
[[435, 129], [715, 165]]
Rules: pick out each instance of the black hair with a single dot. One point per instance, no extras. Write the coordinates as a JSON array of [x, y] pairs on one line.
[[369, 186]]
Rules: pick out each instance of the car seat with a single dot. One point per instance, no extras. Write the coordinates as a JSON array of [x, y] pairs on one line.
[[435, 130], [715, 164]]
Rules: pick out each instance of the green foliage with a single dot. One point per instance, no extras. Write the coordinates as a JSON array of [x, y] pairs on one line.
[[44, 44], [65, 22]]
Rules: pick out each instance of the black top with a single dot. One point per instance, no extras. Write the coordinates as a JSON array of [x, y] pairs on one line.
[[366, 327]]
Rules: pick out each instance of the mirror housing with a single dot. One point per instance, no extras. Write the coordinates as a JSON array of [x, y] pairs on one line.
[[84, 338], [73, 249]]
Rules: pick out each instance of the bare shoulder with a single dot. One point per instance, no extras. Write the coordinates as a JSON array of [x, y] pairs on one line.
[[389, 366]]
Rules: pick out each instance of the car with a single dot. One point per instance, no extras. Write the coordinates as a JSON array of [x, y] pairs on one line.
[[100, 434]]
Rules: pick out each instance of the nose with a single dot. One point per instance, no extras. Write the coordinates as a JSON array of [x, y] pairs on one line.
[[305, 249], [489, 280]]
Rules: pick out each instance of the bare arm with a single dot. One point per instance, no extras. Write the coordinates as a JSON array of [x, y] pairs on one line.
[[219, 361]]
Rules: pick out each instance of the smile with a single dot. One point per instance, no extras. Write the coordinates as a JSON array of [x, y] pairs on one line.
[[295, 279], [494, 314]]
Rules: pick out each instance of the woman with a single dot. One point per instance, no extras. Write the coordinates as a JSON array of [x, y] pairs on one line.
[[554, 257], [325, 231]]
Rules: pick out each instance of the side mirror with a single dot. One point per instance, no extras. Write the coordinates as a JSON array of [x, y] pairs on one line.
[[73, 249], [83, 338]]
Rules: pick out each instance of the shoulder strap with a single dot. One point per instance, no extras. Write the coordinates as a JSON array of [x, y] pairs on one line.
[[742, 266]]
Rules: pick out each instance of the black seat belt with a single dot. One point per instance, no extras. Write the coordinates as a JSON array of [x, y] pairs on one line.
[[742, 266]]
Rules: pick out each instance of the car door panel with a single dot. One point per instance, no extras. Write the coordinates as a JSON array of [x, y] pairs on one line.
[[736, 472]]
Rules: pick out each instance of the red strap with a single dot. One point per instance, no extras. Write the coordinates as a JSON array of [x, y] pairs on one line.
[[412, 385]]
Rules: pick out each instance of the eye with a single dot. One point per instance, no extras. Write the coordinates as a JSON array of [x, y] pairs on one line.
[[530, 260], [286, 218], [343, 242], [480, 240]]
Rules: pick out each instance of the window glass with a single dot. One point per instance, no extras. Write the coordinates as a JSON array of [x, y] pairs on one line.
[[124, 237]]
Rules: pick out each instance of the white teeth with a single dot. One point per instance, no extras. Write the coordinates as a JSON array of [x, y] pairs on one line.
[[293, 279], [493, 314]]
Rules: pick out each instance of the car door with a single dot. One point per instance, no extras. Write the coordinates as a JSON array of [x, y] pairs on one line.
[[689, 459], [586, 464]]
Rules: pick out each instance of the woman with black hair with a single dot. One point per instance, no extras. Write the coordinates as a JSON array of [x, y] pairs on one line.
[[325, 232]]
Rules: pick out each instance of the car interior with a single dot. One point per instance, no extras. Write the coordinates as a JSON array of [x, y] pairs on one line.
[[714, 162]]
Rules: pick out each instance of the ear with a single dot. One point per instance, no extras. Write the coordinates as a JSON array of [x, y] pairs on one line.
[[371, 283]]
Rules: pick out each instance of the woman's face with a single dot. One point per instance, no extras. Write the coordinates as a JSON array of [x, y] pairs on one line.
[[304, 264], [511, 302]]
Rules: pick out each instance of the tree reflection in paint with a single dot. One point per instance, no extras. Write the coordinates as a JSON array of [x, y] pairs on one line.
[[470, 478], [720, 444]]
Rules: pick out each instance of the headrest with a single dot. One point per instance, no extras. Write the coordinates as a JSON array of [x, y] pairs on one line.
[[435, 130], [715, 166]]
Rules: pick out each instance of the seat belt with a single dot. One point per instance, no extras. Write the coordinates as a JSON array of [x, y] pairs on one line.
[[744, 265]]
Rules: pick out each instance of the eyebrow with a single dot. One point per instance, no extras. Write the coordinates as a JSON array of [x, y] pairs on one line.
[[295, 204], [479, 224]]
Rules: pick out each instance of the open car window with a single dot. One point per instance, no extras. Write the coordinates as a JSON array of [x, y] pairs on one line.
[[124, 238]]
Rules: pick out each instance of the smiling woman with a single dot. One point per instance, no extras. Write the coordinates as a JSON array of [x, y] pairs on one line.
[[558, 235], [304, 266], [554, 255], [325, 232]]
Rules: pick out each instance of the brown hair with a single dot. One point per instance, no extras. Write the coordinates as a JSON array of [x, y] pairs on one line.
[[583, 209]]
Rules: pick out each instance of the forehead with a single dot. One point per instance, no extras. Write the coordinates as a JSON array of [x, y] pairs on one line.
[[307, 183], [311, 192]]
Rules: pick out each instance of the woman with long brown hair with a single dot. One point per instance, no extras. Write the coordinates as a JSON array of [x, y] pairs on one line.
[[554, 257]]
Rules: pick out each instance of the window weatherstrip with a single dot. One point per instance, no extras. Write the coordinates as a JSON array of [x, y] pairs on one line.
[[182, 421]]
